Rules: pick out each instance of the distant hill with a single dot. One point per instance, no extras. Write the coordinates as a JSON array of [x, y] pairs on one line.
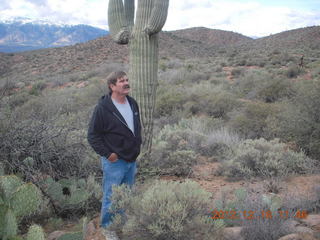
[[19, 35], [212, 37], [302, 38], [183, 44]]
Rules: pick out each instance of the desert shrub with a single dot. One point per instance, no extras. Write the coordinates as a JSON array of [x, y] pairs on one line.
[[37, 88], [19, 99], [172, 153], [168, 101], [316, 72], [237, 72], [216, 104], [273, 185], [49, 131], [295, 201], [185, 75], [252, 120], [274, 90], [7, 84], [262, 85], [293, 71], [267, 223], [165, 210], [174, 63], [219, 142], [299, 119], [176, 147], [249, 81], [262, 158], [178, 162], [258, 214], [174, 76], [55, 147]]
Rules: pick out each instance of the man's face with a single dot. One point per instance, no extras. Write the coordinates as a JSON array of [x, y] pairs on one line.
[[122, 86]]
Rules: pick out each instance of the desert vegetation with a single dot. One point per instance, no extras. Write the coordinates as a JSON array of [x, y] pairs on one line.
[[247, 108]]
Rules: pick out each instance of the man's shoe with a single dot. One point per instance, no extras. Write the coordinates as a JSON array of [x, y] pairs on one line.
[[110, 235]]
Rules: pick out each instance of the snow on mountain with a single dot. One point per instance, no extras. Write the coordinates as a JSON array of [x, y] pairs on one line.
[[21, 34]]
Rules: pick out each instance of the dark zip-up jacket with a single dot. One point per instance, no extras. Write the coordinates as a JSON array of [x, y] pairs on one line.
[[109, 133]]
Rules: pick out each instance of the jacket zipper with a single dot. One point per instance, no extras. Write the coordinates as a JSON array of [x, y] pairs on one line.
[[123, 122]]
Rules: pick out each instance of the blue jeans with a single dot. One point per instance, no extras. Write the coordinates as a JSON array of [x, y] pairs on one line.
[[114, 173]]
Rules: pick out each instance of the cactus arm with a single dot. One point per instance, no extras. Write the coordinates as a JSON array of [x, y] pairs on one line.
[[129, 13], [117, 22], [158, 17]]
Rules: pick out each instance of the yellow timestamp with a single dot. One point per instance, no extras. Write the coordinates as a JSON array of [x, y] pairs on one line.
[[253, 214]]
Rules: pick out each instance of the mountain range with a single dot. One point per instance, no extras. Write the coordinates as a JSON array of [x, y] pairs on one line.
[[22, 35], [182, 44]]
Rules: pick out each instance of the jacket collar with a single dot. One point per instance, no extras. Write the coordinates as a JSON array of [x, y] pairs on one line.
[[106, 101]]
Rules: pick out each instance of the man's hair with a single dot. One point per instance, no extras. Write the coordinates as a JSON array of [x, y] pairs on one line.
[[113, 77]]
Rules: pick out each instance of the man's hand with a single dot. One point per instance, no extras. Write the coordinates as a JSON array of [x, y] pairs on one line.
[[113, 157]]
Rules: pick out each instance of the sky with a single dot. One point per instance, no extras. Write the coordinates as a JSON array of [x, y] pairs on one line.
[[253, 18]]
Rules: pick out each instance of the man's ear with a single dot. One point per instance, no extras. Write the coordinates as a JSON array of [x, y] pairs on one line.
[[111, 85]]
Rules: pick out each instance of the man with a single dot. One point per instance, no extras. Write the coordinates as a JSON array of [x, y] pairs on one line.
[[115, 134]]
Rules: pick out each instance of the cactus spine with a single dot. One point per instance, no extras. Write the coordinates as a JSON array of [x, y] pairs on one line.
[[142, 36]]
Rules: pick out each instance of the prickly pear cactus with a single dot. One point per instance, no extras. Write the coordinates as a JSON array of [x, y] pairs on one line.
[[67, 193], [35, 233], [142, 36], [17, 199]]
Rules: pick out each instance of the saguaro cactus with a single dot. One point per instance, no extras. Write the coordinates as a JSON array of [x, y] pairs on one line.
[[142, 36]]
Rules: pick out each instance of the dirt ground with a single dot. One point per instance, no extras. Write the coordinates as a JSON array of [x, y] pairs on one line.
[[301, 186]]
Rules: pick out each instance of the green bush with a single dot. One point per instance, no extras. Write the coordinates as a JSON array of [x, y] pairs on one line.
[[215, 104], [262, 85], [37, 88], [293, 71], [237, 72], [168, 102], [299, 118], [176, 147], [172, 152], [274, 90], [262, 158], [252, 120], [165, 210], [219, 142]]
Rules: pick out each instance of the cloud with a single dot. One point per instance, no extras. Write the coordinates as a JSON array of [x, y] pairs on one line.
[[37, 2], [249, 18], [4, 5], [91, 12]]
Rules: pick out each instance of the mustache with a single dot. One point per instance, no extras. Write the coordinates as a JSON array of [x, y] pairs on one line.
[[126, 86]]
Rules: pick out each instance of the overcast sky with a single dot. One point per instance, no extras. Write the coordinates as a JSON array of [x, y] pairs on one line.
[[248, 17]]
